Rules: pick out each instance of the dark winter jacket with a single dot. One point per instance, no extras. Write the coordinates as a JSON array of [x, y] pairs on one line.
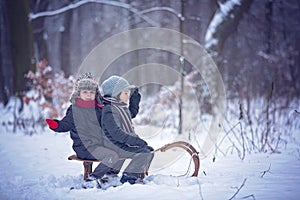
[[117, 127], [84, 126]]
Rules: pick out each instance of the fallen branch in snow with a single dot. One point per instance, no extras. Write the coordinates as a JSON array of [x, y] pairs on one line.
[[296, 111], [200, 191], [264, 172], [238, 189], [253, 197]]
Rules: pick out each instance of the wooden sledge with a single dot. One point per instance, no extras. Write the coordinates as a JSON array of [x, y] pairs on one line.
[[88, 164]]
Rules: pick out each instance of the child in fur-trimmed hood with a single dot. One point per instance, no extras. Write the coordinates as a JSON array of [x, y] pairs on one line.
[[83, 120]]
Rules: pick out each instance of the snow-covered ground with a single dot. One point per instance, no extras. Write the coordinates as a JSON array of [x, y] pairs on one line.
[[36, 167]]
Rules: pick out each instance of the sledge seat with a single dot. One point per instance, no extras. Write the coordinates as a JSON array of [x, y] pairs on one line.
[[88, 164]]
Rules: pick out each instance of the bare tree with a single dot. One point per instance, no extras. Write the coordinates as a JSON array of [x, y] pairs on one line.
[[16, 47]]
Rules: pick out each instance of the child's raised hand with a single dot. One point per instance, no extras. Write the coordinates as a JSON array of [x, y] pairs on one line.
[[135, 95], [52, 123]]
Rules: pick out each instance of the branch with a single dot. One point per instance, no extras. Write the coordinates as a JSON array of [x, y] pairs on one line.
[[227, 132], [167, 9], [264, 172], [242, 153], [224, 22], [238, 190], [33, 16], [298, 156], [200, 191], [296, 111], [253, 197], [268, 124]]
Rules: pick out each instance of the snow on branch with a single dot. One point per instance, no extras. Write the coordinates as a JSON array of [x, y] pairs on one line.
[[224, 22], [72, 6], [168, 9], [225, 10]]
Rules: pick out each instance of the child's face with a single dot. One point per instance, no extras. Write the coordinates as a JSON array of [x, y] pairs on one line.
[[87, 95], [125, 95]]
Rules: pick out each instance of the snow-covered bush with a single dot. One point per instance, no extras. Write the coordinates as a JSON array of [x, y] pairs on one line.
[[49, 89], [19, 116], [259, 125], [47, 97]]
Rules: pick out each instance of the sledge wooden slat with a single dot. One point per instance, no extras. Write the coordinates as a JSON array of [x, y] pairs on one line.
[[88, 164], [74, 157]]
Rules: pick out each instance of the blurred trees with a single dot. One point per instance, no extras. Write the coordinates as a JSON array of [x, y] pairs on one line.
[[258, 42], [261, 50]]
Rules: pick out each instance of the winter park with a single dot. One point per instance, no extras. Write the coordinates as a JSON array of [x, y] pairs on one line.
[[172, 99]]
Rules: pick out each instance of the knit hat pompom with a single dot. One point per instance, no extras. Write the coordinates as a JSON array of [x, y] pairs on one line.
[[114, 85], [85, 82]]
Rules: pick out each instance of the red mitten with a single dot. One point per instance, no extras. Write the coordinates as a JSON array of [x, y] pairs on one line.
[[52, 123]]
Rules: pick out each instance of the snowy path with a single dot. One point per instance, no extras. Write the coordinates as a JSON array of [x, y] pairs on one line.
[[37, 168]]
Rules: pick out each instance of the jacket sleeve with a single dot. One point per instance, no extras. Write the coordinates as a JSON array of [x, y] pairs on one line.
[[134, 102], [66, 123], [115, 131]]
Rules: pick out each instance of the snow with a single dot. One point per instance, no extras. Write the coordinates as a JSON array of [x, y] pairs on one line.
[[36, 167]]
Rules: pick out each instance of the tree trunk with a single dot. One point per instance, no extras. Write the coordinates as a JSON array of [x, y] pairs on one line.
[[218, 32], [40, 44], [65, 44], [21, 42], [181, 71], [268, 31], [5, 56]]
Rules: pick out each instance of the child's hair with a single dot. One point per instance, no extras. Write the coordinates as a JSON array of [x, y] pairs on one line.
[[85, 81]]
